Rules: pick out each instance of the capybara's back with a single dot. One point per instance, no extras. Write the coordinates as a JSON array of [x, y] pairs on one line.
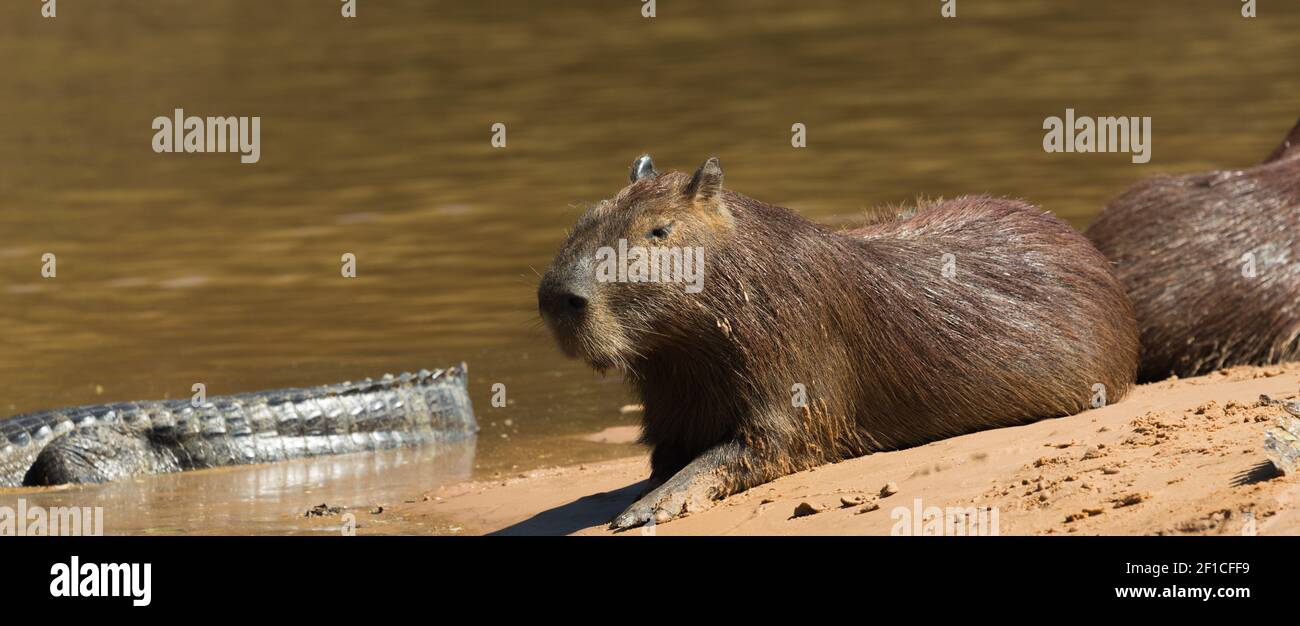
[[1211, 262], [994, 312]]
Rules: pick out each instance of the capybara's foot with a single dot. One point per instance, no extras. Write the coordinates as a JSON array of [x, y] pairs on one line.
[[670, 500], [722, 470], [691, 490]]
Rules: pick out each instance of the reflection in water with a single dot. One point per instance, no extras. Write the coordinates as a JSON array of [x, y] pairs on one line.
[[175, 269], [261, 499]]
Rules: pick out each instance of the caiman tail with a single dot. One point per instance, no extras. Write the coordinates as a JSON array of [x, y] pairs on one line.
[[101, 443]]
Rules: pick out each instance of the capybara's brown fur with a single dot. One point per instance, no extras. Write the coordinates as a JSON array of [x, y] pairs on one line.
[[974, 313], [1211, 263]]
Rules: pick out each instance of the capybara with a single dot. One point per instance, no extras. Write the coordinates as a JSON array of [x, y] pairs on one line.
[[1211, 263], [803, 345]]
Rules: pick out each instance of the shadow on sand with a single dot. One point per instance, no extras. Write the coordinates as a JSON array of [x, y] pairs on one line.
[[585, 512]]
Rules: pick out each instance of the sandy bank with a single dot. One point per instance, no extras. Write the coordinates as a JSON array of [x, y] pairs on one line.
[[1175, 457]]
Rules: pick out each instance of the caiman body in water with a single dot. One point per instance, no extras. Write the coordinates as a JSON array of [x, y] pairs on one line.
[[101, 443]]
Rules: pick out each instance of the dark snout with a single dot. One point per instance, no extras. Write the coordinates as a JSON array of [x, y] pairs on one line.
[[562, 298]]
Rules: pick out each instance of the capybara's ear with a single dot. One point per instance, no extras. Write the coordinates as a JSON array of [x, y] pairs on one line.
[[706, 184], [1290, 146], [642, 167]]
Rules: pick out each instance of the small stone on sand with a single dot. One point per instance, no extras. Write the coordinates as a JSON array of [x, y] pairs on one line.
[[807, 508], [1130, 500]]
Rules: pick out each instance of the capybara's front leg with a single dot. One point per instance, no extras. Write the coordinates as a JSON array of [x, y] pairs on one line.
[[722, 470], [665, 462]]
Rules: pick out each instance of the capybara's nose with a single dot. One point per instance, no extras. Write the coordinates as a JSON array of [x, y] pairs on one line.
[[560, 298]]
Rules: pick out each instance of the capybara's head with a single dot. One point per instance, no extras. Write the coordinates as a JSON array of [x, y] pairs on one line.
[[624, 280]]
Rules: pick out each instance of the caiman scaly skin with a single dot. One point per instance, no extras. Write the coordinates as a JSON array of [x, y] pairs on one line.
[[100, 443]]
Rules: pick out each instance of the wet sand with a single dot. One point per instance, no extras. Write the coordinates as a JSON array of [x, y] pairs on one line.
[[322, 495], [1174, 457]]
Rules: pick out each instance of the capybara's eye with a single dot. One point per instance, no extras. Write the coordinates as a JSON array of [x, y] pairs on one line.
[[660, 233]]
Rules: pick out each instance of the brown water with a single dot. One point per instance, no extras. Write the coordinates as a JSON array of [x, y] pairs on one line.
[[175, 269]]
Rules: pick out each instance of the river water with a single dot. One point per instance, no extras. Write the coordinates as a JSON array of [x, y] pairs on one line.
[[176, 269]]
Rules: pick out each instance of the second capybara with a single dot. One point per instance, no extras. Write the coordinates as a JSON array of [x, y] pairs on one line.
[[1211, 262], [763, 344]]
